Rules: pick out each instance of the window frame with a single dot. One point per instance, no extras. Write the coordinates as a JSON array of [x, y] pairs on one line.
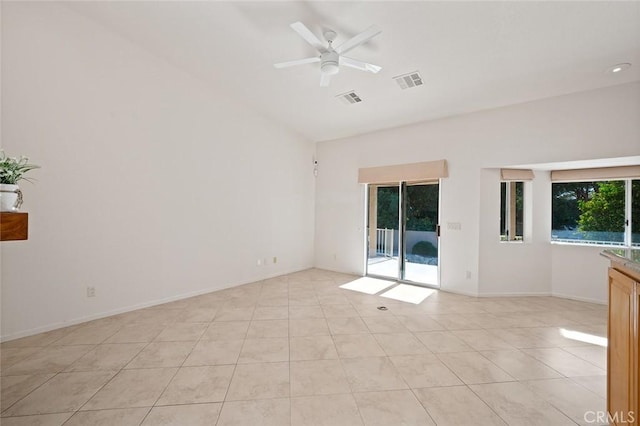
[[627, 242], [511, 193]]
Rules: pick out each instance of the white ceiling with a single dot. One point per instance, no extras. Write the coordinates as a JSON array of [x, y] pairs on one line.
[[472, 55]]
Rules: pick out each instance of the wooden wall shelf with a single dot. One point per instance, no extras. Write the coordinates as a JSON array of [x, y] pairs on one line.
[[14, 226]]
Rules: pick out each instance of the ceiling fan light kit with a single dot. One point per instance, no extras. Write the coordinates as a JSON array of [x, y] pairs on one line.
[[331, 59], [329, 63]]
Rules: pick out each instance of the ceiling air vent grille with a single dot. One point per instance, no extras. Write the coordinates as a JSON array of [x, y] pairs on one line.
[[407, 81], [350, 97]]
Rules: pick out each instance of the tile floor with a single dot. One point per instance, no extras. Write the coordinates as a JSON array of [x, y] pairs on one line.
[[300, 350]]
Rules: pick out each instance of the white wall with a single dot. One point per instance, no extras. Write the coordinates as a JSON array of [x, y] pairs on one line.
[[515, 267], [589, 125], [576, 270], [153, 186]]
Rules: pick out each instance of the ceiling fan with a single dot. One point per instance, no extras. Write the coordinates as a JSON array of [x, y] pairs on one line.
[[330, 59]]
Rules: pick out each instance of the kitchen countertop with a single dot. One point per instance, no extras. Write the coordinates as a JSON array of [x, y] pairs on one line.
[[630, 258]]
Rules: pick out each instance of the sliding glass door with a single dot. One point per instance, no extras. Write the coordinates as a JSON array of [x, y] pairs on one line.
[[403, 233], [383, 231], [421, 233]]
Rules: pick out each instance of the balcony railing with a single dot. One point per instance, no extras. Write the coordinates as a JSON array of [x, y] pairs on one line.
[[384, 242]]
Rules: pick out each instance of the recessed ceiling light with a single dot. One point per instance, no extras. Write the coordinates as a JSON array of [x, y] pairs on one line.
[[619, 68]]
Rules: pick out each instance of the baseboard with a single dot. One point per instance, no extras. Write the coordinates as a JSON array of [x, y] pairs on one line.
[[580, 299], [517, 294], [545, 294], [105, 314], [339, 270], [460, 292]]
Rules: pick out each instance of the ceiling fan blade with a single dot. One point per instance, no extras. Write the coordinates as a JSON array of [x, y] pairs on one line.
[[297, 62], [355, 41], [308, 36], [324, 79], [359, 65]]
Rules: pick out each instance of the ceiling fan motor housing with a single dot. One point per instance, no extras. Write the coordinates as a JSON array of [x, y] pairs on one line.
[[329, 62]]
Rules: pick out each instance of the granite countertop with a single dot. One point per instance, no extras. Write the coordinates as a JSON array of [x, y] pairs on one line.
[[630, 258]]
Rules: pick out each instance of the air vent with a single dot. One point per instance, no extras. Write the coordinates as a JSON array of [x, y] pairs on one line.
[[408, 81], [350, 97]]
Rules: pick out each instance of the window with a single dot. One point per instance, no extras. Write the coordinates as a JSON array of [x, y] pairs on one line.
[[511, 211], [603, 212]]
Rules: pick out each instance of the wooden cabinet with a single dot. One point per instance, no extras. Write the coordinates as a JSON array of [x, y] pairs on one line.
[[623, 348]]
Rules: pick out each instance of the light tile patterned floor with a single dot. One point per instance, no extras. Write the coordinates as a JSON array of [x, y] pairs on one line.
[[300, 350]]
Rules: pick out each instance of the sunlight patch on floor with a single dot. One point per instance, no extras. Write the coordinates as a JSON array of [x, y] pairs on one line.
[[408, 293], [368, 285], [584, 337]]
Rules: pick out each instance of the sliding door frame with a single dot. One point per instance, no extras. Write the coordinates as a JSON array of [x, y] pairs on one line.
[[402, 229]]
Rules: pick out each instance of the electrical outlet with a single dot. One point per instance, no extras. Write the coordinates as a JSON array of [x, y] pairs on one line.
[[91, 291], [468, 275], [275, 259], [454, 226], [259, 262]]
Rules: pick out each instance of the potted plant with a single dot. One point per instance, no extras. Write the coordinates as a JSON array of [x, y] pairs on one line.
[[12, 170]]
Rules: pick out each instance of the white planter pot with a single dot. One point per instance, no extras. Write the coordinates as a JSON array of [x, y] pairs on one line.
[[10, 197]]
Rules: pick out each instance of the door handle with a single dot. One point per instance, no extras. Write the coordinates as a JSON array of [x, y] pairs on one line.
[[438, 230]]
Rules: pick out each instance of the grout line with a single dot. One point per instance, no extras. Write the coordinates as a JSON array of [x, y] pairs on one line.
[[4, 409], [486, 404]]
